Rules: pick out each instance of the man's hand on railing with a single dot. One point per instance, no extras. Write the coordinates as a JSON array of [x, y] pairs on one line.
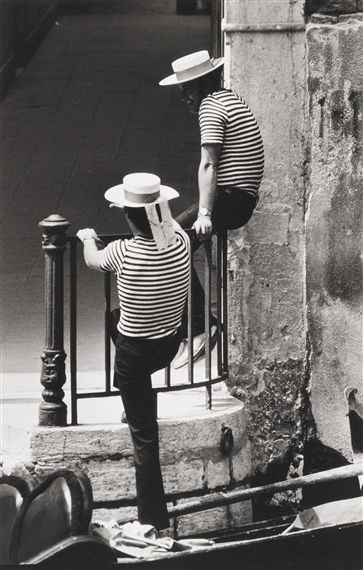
[[88, 233], [91, 246], [203, 227]]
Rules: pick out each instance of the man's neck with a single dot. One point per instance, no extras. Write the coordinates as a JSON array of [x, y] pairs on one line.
[[139, 233], [136, 231]]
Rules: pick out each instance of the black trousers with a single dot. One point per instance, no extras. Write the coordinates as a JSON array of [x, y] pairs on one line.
[[135, 360], [232, 209]]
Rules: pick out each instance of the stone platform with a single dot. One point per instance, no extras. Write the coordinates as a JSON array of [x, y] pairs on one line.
[[192, 461]]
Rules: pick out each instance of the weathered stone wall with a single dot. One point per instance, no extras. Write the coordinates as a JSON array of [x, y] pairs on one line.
[[334, 220], [295, 326], [266, 259]]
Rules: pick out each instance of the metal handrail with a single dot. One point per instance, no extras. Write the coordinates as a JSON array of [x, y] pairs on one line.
[[221, 301]]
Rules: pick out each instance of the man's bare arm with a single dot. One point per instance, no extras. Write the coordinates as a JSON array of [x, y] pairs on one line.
[[92, 255], [207, 180], [207, 174]]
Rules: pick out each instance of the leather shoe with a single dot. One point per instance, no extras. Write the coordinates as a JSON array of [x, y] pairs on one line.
[[199, 341]]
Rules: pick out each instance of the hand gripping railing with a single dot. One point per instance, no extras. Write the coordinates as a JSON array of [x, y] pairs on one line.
[[53, 410]]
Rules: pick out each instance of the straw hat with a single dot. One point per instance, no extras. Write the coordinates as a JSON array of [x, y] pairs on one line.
[[138, 190], [191, 67]]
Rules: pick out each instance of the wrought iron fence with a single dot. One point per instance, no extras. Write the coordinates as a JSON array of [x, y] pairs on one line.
[[52, 409]]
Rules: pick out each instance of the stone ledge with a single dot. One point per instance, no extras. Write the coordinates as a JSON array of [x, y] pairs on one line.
[[191, 460], [351, 18], [190, 453], [323, 19], [332, 20]]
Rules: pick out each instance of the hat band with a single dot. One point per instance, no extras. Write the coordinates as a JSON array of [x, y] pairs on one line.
[[191, 72], [141, 198]]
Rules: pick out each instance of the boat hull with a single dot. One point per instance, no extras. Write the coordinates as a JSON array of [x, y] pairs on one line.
[[331, 548]]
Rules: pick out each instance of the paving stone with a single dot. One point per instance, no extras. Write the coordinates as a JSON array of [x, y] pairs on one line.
[[85, 111]]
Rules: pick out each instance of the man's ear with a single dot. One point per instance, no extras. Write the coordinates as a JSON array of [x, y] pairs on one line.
[[112, 205]]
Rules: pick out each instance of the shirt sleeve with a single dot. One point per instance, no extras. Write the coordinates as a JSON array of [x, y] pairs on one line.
[[113, 256], [212, 121]]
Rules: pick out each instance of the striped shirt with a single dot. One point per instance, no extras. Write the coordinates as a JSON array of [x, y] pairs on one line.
[[152, 284], [226, 119]]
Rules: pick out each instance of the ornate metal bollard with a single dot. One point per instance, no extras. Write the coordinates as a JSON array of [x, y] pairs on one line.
[[53, 411]]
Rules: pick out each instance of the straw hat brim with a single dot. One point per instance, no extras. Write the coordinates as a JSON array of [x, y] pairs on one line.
[[173, 80], [116, 195]]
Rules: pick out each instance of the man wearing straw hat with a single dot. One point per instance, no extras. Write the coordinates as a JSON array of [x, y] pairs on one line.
[[231, 164], [152, 272]]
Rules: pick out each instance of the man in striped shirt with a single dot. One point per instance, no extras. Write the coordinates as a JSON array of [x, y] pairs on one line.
[[152, 284], [231, 164]]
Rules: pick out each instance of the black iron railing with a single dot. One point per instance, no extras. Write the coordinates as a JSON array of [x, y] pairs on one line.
[[215, 286]]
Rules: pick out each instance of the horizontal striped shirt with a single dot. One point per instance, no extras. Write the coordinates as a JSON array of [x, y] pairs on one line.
[[226, 119], [152, 284]]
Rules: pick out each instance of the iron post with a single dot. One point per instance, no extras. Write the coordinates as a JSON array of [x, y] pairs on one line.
[[53, 411]]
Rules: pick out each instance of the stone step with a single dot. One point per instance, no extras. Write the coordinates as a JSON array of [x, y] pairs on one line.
[[191, 456]]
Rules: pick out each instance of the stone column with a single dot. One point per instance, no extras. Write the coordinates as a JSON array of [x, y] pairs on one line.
[[265, 46], [53, 411]]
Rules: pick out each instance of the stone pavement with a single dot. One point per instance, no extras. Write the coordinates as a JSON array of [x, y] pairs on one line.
[[85, 112]]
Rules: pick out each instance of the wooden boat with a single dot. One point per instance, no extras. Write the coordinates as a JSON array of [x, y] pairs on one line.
[[317, 540], [262, 546], [328, 543]]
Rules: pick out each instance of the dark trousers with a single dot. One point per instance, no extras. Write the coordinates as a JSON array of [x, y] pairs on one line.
[[232, 209], [135, 360]]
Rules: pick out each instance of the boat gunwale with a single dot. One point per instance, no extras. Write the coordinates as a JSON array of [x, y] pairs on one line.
[[232, 545]]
